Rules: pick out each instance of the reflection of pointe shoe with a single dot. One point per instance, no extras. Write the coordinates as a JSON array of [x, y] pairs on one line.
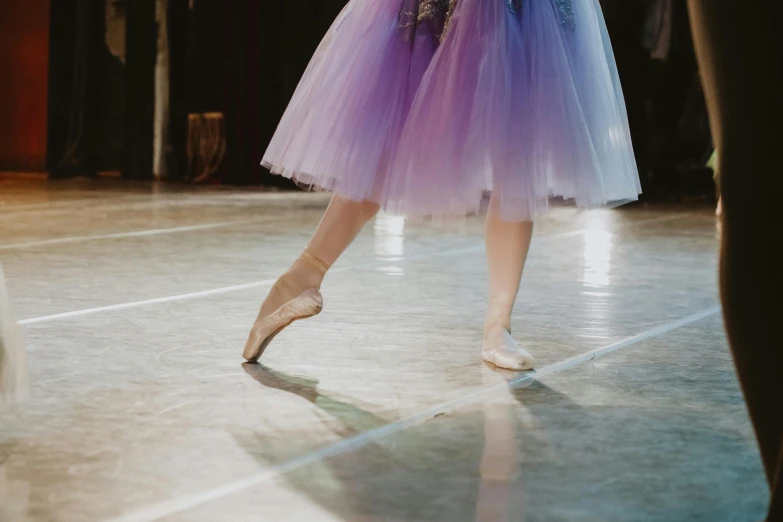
[[503, 352], [307, 304]]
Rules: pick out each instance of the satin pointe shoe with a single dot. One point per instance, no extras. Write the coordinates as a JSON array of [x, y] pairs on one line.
[[501, 350], [307, 304]]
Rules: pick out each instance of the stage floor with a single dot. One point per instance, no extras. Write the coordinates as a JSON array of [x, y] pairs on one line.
[[135, 304]]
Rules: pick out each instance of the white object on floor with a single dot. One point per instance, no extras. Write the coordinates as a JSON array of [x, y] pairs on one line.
[[13, 365]]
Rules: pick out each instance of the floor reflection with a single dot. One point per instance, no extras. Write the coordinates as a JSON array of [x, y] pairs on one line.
[[465, 470], [14, 497], [499, 467], [597, 258], [596, 279], [355, 419], [390, 242]]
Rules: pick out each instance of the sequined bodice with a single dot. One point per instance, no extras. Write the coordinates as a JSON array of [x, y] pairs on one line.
[[437, 13]]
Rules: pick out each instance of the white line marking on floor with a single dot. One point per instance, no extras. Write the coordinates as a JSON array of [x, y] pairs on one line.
[[58, 204], [262, 283], [145, 302], [174, 200], [185, 503], [138, 233], [64, 206]]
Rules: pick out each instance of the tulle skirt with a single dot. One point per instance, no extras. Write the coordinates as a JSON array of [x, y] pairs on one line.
[[428, 106]]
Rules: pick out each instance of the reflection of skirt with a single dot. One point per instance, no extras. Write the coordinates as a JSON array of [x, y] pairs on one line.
[[425, 105]]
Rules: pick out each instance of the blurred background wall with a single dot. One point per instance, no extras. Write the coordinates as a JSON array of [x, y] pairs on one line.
[[24, 57]]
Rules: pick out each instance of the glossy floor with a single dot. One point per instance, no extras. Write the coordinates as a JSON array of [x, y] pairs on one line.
[[135, 303]]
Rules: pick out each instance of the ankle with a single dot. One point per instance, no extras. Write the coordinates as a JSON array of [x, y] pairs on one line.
[[491, 326], [307, 271], [314, 262], [498, 317], [496, 324], [302, 276]]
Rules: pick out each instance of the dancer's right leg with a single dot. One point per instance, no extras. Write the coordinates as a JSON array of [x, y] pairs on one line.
[[340, 225]]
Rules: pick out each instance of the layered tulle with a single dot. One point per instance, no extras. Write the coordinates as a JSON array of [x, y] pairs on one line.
[[523, 103]]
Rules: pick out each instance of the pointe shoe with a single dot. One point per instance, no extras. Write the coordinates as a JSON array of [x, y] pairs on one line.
[[307, 304], [505, 353]]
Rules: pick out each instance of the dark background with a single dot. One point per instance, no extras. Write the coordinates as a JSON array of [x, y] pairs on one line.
[[243, 59], [24, 57]]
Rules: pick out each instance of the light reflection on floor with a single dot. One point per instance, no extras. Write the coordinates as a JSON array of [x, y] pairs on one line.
[[389, 232]]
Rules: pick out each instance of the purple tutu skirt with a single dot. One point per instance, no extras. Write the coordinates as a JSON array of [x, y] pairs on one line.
[[426, 106]]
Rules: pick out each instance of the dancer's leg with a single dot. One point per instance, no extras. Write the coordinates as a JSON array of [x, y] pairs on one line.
[[507, 245], [739, 60], [340, 225]]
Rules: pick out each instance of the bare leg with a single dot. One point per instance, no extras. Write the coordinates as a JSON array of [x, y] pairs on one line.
[[340, 225], [508, 244]]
